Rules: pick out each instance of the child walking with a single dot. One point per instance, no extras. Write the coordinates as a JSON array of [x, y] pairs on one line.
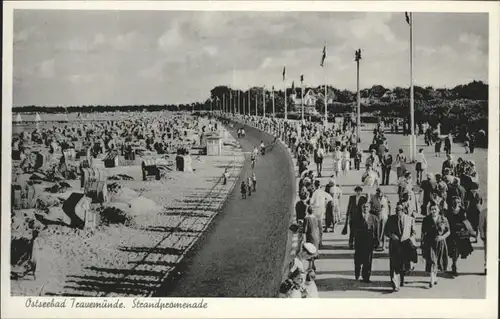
[[466, 146], [225, 176], [243, 189], [254, 182], [249, 188]]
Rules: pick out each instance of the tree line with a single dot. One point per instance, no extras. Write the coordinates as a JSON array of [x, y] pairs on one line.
[[438, 103]]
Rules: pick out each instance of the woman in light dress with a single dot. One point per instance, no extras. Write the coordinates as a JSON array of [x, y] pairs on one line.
[[421, 165], [370, 180], [400, 164], [346, 161], [336, 193], [337, 161]]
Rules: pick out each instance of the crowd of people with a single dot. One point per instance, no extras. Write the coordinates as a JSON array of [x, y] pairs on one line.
[[447, 203]]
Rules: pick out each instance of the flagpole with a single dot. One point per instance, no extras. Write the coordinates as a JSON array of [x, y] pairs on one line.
[[286, 97], [256, 102], [358, 97], [249, 110], [274, 111], [412, 105], [302, 96], [231, 105], [263, 101], [326, 92]]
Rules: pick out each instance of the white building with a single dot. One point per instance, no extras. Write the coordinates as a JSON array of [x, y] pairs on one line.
[[310, 97]]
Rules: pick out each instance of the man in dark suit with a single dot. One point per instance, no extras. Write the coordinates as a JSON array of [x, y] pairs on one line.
[[400, 229], [353, 215], [449, 163], [386, 167], [428, 187], [301, 208], [455, 190], [366, 241]]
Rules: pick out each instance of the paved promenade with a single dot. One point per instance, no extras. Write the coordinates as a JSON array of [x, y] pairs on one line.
[[335, 267], [243, 251]]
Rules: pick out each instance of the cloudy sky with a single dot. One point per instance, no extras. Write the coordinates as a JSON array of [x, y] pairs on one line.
[[163, 57]]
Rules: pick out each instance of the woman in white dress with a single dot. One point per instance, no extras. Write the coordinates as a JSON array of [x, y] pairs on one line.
[[337, 161], [421, 165], [336, 193], [346, 161], [370, 180]]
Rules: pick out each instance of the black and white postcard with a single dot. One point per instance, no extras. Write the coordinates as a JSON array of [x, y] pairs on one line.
[[207, 159]]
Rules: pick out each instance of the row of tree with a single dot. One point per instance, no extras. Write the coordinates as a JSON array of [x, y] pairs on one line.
[[377, 100]]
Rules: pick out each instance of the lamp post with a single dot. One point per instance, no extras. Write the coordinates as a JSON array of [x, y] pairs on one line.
[[357, 58], [274, 113]]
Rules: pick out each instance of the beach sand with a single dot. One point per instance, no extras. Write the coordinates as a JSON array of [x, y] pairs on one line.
[[117, 260]]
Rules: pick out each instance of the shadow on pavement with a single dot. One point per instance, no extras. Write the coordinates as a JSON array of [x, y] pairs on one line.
[[345, 284], [330, 247], [334, 239], [105, 284], [349, 255], [153, 250], [383, 273], [169, 229]]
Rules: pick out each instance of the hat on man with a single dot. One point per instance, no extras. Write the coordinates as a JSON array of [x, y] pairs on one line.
[[358, 188], [309, 248]]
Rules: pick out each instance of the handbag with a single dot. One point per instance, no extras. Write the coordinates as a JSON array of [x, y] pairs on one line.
[[344, 230], [412, 250], [466, 231]]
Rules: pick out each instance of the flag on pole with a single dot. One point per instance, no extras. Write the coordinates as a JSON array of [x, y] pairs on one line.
[[302, 78], [323, 57], [284, 73], [407, 16]]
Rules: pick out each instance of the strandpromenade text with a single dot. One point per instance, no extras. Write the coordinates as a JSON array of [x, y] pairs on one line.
[[153, 303]]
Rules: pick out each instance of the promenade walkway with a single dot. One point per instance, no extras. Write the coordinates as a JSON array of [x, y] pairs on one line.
[[335, 268], [243, 251]]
